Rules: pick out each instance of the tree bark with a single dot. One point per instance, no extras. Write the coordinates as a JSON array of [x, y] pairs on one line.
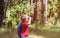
[[44, 11], [1, 12], [40, 11]]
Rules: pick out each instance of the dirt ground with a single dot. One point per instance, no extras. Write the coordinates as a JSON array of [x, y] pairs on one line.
[[13, 34]]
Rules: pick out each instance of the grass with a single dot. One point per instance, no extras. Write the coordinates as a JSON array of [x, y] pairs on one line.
[[47, 28], [41, 32]]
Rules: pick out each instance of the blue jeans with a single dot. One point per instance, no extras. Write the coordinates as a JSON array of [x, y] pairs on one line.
[[24, 37]]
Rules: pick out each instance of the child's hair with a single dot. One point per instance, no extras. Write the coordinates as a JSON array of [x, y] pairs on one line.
[[24, 17]]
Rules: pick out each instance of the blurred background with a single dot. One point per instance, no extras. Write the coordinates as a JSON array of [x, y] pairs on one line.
[[45, 18]]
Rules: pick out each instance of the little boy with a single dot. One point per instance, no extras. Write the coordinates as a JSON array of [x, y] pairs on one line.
[[24, 27]]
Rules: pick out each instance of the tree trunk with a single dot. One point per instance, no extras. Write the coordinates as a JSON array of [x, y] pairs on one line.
[[44, 11], [1, 12], [40, 11]]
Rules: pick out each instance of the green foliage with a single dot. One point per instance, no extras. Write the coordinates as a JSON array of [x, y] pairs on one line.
[[52, 5], [14, 12], [52, 10], [18, 7], [46, 28]]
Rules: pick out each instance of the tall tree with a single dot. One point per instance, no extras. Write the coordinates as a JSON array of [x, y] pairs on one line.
[[1, 12], [40, 11], [44, 11]]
